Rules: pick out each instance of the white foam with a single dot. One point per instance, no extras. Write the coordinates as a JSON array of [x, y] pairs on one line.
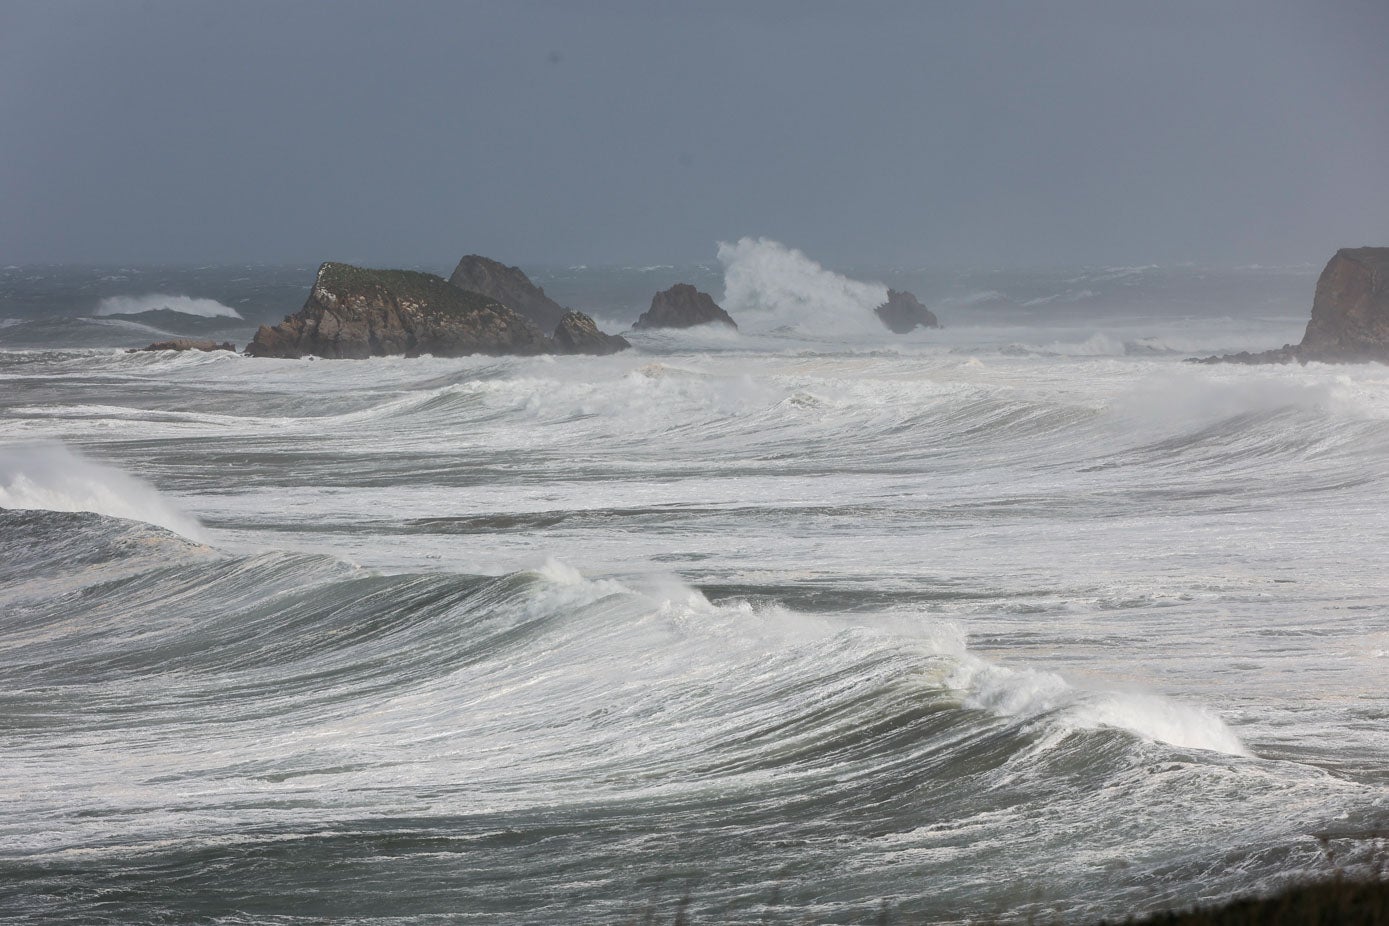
[[153, 302], [770, 285], [50, 477], [1029, 693]]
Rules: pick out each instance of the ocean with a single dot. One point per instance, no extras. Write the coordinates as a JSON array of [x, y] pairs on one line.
[[1023, 618]]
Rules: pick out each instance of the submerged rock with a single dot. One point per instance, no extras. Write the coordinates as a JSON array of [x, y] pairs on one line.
[[353, 312], [510, 287], [682, 306], [903, 313], [1350, 315], [579, 334], [185, 344]]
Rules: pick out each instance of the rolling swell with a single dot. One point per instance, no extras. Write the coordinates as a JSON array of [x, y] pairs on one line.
[[302, 737], [923, 596]]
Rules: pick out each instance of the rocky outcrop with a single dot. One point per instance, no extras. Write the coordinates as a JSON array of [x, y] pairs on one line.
[[510, 287], [354, 312], [682, 306], [1350, 315], [1350, 311], [579, 334], [902, 313], [185, 344]]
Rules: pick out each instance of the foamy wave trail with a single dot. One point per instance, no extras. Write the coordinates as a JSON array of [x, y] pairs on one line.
[[50, 477], [769, 285], [503, 745], [155, 302]]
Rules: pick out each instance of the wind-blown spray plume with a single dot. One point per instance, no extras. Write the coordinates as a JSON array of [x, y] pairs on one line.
[[774, 286], [49, 476]]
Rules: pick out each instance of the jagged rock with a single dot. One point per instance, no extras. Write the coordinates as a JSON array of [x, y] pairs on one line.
[[185, 344], [902, 313], [579, 334], [682, 306], [354, 312], [509, 286], [1350, 315]]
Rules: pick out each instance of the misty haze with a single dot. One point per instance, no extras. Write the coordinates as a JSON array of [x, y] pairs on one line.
[[695, 462]]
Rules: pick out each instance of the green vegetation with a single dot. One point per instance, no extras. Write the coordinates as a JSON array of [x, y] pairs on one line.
[[436, 293]]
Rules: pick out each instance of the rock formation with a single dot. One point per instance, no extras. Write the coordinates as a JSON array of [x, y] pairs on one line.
[[1350, 315], [576, 333], [185, 344], [902, 313], [353, 312], [1350, 311], [682, 306], [510, 287]]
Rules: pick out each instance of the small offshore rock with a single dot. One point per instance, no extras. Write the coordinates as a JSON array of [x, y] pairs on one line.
[[683, 306], [903, 313], [185, 344], [577, 333]]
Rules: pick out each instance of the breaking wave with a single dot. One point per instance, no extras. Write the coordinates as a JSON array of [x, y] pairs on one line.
[[774, 286], [155, 302], [50, 477]]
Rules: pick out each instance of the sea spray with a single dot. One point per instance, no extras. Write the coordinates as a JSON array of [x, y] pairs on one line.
[[772, 286], [50, 476], [1029, 693]]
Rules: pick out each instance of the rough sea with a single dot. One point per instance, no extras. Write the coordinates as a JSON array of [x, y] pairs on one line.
[[1021, 619]]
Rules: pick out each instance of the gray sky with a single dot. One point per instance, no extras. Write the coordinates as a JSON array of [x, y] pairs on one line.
[[983, 134]]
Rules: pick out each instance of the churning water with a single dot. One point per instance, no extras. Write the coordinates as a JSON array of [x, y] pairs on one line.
[[804, 622]]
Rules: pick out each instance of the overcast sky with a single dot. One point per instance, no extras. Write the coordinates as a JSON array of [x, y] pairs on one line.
[[938, 134]]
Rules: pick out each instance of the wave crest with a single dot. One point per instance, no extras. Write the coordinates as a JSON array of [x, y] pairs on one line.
[[50, 477], [155, 302]]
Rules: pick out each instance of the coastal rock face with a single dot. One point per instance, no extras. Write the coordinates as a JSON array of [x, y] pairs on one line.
[[185, 344], [902, 313], [510, 287], [1350, 311], [682, 306], [353, 312], [579, 334], [1350, 315]]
